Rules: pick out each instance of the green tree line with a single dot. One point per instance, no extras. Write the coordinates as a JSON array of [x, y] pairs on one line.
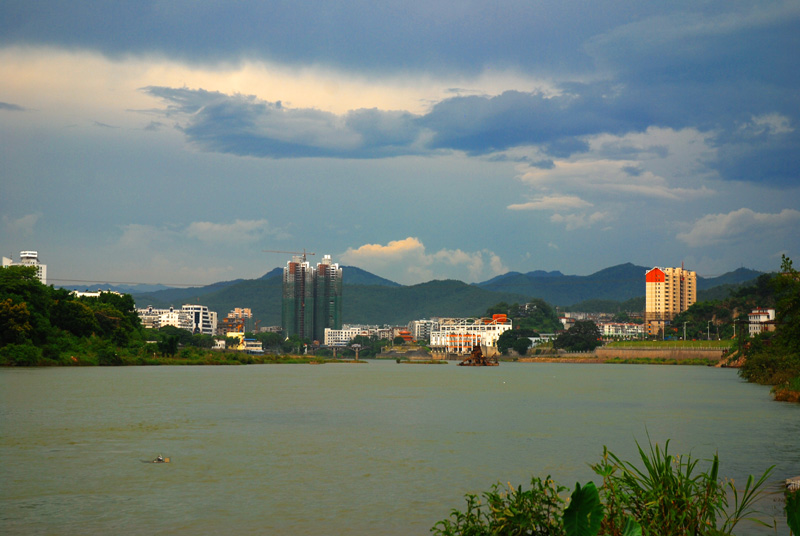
[[45, 325]]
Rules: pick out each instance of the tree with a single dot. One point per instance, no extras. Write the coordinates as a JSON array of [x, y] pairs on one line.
[[584, 336], [787, 314], [536, 315], [774, 358], [75, 317], [505, 341], [26, 355], [521, 345], [270, 340], [202, 340], [168, 345], [15, 325]]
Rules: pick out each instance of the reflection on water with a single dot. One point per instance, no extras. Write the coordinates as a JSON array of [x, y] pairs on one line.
[[379, 449]]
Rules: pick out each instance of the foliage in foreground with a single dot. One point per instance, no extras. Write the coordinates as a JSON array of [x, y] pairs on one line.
[[666, 496], [773, 358]]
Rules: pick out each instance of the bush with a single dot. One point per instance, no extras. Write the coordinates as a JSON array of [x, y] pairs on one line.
[[24, 355], [538, 510], [667, 497]]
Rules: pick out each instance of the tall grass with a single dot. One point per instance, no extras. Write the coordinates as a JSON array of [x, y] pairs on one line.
[[669, 495], [662, 494]]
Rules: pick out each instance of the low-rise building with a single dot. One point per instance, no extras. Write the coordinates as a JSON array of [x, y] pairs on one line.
[[92, 293], [342, 337], [153, 318], [761, 320], [251, 346], [194, 318], [621, 330], [458, 336]]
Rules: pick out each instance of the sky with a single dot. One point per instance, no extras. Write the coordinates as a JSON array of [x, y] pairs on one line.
[[184, 142]]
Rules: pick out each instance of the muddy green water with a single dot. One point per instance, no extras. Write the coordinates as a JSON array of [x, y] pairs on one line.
[[377, 449]]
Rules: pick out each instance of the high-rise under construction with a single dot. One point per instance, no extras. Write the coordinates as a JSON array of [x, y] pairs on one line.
[[312, 298]]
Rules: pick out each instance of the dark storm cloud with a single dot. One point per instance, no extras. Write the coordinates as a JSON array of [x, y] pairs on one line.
[[711, 66], [768, 157], [247, 126], [481, 125], [558, 126], [358, 35]]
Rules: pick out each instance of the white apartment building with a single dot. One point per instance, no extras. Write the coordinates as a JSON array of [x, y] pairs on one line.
[[621, 330], [194, 318], [157, 318], [342, 337], [421, 329], [460, 335], [761, 320], [92, 293], [29, 258], [202, 320]]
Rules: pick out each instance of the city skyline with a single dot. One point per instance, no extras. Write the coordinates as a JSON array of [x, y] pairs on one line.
[[152, 141]]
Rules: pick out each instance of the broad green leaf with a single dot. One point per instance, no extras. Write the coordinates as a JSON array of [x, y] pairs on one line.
[[793, 511], [585, 512], [632, 528]]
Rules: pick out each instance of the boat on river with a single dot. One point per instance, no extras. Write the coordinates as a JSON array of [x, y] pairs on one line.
[[477, 359]]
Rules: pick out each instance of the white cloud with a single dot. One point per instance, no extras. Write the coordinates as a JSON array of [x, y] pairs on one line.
[[580, 221], [197, 253], [22, 226], [772, 124], [406, 261], [552, 202], [604, 178], [738, 225], [239, 231]]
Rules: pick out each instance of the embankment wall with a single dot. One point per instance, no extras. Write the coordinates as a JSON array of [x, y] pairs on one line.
[[660, 353]]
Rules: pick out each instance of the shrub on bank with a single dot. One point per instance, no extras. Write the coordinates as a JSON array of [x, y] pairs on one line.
[[666, 496]]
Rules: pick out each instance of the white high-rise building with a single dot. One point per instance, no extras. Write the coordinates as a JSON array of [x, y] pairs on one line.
[[29, 258], [421, 329], [203, 321]]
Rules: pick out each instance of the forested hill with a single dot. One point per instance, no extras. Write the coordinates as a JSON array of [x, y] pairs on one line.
[[362, 304], [618, 283], [374, 300]]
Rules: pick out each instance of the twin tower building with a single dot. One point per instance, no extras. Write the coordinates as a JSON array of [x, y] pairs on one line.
[[312, 298]]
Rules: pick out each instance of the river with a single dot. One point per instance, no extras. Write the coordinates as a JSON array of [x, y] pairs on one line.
[[337, 449]]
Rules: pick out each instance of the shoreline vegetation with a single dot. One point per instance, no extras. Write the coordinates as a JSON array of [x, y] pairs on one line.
[[45, 326], [663, 494]]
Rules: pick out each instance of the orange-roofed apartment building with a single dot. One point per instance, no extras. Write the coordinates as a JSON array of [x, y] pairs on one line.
[[668, 291]]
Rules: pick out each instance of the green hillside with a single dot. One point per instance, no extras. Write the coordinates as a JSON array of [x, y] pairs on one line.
[[370, 299], [400, 305], [362, 304]]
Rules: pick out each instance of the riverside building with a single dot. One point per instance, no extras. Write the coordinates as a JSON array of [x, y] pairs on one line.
[[29, 258], [312, 298], [668, 291], [194, 318], [458, 336]]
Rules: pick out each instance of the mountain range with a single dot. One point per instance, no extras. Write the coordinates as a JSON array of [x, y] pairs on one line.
[[371, 299]]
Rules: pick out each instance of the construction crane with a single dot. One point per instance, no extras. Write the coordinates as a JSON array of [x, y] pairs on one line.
[[303, 253]]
